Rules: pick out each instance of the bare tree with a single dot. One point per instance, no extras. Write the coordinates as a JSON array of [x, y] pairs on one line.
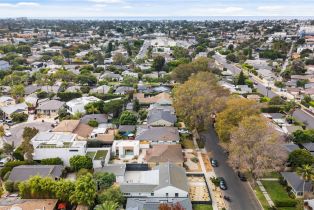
[[255, 147]]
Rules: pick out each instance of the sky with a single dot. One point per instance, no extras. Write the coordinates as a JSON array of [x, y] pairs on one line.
[[150, 8]]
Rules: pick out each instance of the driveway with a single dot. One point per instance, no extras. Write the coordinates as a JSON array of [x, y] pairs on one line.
[[242, 197], [17, 131]]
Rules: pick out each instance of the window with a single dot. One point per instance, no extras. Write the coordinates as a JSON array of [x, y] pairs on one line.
[[167, 194], [152, 194], [73, 150], [176, 194]]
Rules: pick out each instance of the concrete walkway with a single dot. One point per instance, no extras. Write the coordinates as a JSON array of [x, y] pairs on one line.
[[269, 179], [265, 193]]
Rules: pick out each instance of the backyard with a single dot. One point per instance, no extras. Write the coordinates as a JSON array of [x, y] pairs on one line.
[[202, 207]]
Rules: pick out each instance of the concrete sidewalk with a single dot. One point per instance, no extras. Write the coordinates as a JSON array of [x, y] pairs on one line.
[[217, 201], [265, 193]]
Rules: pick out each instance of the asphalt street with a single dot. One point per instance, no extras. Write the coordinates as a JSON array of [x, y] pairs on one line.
[[242, 197], [299, 114]]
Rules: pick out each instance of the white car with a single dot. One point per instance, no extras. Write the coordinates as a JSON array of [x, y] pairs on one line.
[[7, 133], [184, 131]]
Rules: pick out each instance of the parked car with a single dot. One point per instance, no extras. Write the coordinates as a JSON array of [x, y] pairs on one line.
[[222, 183], [214, 162], [184, 131], [9, 122], [241, 176], [7, 133]]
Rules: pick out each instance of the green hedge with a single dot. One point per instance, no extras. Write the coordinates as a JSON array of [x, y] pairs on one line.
[[285, 203], [272, 109]]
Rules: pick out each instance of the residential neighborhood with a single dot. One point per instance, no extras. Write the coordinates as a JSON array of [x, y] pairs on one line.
[[156, 114]]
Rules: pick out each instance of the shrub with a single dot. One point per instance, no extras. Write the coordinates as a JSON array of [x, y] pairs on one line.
[[285, 203], [194, 159], [52, 161], [19, 117], [6, 176], [9, 186], [82, 172], [271, 109], [78, 162], [93, 123]]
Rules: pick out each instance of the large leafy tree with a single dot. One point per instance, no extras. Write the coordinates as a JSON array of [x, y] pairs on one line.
[[64, 189], [104, 180], [300, 157], [17, 91], [114, 107], [158, 63], [128, 118], [255, 147], [112, 194], [303, 136], [78, 162], [85, 191], [182, 72], [236, 109], [198, 98], [307, 173], [26, 145]]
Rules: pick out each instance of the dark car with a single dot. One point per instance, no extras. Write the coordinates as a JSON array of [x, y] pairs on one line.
[[214, 162], [241, 176], [222, 184]]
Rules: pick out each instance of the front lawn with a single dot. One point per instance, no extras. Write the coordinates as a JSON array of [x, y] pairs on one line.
[[202, 207], [276, 190]]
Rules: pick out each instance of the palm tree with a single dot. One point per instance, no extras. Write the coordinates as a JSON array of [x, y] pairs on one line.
[[108, 205], [93, 109], [307, 173]]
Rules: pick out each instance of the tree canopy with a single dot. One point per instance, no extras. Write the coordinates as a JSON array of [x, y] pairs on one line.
[[198, 98]]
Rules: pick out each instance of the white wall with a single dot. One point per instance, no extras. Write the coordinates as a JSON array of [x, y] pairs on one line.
[[171, 192], [161, 193], [64, 153]]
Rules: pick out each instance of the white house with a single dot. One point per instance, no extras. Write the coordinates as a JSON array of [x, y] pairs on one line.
[[77, 105], [65, 146], [126, 149], [164, 181]]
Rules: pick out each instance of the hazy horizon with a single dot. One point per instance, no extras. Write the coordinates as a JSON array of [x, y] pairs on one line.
[[154, 8]]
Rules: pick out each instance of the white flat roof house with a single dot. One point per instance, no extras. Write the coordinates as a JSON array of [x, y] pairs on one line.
[[126, 149], [78, 104], [65, 146]]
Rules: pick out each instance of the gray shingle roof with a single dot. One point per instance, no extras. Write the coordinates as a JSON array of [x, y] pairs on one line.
[[172, 175], [158, 114], [127, 128], [51, 105], [14, 108], [24, 172], [308, 146], [100, 118], [157, 133], [153, 203], [137, 187], [290, 147], [296, 182]]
